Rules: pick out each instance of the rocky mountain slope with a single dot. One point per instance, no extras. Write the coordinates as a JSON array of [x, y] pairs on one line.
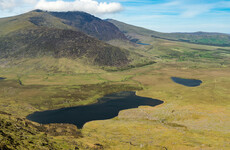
[[91, 25], [38, 33]]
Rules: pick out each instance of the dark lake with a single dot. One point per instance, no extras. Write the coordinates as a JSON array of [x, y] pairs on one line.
[[187, 82], [143, 43], [1, 78], [107, 107]]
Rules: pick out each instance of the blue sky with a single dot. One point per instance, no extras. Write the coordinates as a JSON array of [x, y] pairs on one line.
[[159, 15], [177, 15]]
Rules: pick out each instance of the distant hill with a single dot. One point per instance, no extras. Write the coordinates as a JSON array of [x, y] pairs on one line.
[[38, 33], [215, 39]]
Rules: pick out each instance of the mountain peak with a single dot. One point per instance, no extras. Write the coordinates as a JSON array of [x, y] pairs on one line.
[[77, 20], [61, 34], [91, 25], [37, 10]]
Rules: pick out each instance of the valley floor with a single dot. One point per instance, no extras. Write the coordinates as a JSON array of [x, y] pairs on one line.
[[190, 118]]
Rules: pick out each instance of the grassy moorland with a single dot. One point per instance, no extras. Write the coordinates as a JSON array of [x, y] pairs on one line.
[[190, 118]]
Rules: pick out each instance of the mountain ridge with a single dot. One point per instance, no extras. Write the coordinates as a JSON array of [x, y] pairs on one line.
[[89, 24], [37, 34], [204, 38]]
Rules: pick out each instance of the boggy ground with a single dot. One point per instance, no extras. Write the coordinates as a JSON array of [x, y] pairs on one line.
[[190, 118]]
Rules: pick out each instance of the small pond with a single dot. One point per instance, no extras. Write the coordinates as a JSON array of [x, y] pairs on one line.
[[143, 44], [107, 107], [1, 78], [187, 82]]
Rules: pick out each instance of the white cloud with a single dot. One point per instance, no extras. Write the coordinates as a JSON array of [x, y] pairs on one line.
[[194, 10], [11, 5], [90, 6], [30, 1], [96, 7], [7, 4]]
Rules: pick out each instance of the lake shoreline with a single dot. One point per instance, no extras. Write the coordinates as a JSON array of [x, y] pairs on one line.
[[106, 107], [187, 82]]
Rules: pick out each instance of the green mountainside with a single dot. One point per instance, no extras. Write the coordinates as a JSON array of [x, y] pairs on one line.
[[60, 43], [39, 34], [215, 39], [80, 21], [27, 20]]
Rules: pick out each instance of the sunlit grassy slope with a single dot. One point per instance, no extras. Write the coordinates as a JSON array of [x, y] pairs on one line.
[[11, 24]]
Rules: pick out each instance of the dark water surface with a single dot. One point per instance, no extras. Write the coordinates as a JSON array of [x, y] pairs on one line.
[[107, 107], [1, 78], [143, 43], [187, 82]]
